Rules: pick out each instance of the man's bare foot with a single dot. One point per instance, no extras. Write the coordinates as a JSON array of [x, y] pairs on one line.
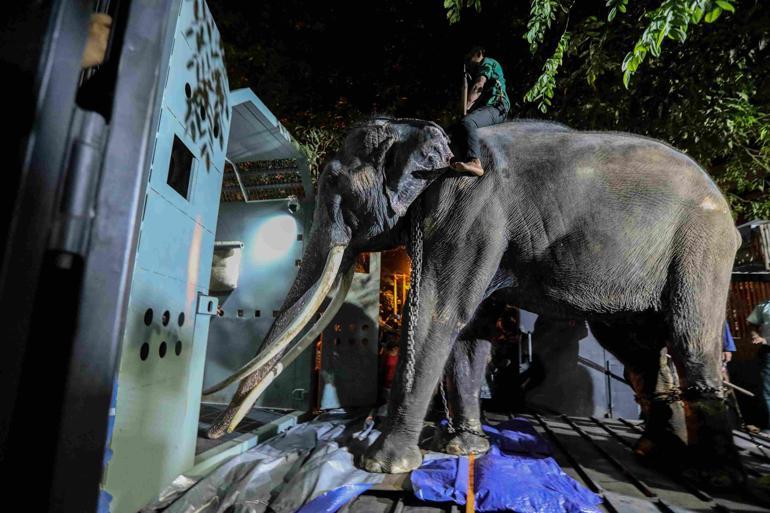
[[473, 167]]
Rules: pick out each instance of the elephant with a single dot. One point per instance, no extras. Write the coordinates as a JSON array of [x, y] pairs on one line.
[[620, 230]]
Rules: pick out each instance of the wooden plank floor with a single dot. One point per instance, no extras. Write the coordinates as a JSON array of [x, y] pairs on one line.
[[597, 453]]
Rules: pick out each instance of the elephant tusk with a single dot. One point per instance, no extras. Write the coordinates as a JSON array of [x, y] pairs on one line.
[[293, 353], [324, 285]]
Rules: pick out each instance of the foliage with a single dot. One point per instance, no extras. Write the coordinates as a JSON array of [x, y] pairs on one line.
[[542, 91], [454, 7], [615, 7], [542, 14], [317, 145], [671, 20]]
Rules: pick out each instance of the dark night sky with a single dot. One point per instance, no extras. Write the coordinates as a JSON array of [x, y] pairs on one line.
[[313, 60]]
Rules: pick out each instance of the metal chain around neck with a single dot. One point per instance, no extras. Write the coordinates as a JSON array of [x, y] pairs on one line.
[[415, 241]]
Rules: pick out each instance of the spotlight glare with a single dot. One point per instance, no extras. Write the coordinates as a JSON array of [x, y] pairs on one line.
[[274, 238]]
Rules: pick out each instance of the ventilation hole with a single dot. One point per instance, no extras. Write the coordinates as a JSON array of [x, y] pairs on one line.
[[210, 305], [337, 341], [144, 351], [166, 317], [180, 319], [162, 349], [187, 90], [351, 341], [337, 328], [352, 328], [240, 313], [364, 341], [257, 313], [297, 263], [148, 317], [276, 313], [203, 112], [299, 237], [178, 347], [216, 129], [365, 327]]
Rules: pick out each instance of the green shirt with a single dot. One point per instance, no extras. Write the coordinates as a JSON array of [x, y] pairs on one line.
[[496, 96]]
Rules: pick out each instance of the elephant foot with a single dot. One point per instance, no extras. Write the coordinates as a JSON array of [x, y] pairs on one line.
[[715, 464], [716, 477], [664, 441], [759, 489], [463, 443], [392, 454], [712, 457], [468, 437], [659, 448]]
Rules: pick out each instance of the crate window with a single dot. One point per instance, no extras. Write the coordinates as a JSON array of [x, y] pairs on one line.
[[180, 168]]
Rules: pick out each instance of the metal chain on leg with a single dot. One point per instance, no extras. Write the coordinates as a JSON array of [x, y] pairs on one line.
[[449, 425], [415, 240]]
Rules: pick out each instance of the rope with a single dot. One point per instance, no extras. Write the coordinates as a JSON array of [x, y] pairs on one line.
[[414, 290]]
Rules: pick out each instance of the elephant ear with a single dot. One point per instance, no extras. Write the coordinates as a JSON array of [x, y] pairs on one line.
[[419, 156]]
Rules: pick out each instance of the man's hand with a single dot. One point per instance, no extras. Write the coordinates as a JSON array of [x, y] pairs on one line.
[[756, 339], [727, 356], [98, 35], [475, 92]]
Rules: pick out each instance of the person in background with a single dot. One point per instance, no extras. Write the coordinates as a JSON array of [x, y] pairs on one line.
[[728, 345], [759, 332]]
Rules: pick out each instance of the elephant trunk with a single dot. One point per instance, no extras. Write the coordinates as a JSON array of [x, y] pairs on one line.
[[324, 258], [303, 300]]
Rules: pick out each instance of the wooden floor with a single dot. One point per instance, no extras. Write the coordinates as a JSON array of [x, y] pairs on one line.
[[597, 453]]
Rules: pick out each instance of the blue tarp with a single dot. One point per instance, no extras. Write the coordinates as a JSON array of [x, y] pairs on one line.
[[333, 500], [517, 474], [309, 469]]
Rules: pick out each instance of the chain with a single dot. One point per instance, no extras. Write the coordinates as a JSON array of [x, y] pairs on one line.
[[449, 425], [414, 290], [704, 392]]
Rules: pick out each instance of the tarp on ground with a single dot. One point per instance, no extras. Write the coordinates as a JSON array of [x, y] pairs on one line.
[[517, 474], [283, 473], [312, 465]]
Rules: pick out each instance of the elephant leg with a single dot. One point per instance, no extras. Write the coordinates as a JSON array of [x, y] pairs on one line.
[[640, 347], [696, 321], [447, 304], [466, 369]]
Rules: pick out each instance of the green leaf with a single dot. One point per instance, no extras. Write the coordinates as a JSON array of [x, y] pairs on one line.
[[697, 15], [611, 15], [712, 16], [727, 6]]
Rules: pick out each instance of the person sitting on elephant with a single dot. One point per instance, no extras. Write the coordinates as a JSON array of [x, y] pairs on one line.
[[486, 104]]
